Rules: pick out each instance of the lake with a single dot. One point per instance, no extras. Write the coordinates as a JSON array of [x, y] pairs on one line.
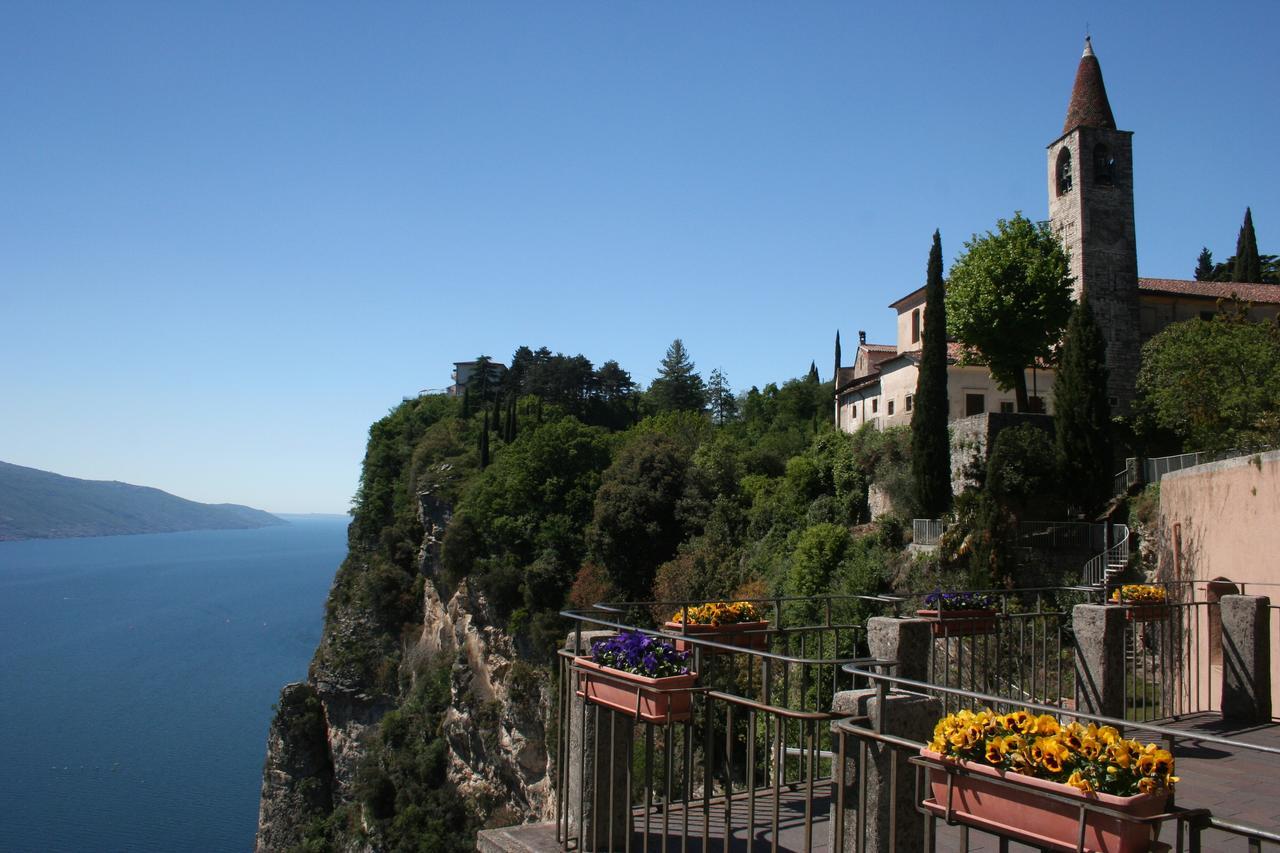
[[137, 675]]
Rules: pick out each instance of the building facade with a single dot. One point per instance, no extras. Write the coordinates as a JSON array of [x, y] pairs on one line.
[[1091, 194]]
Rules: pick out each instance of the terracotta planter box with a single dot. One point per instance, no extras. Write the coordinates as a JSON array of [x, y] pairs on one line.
[[1023, 812], [744, 635], [655, 700], [960, 623], [1145, 612]]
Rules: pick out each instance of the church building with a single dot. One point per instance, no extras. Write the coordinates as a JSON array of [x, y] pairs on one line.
[[1090, 188]]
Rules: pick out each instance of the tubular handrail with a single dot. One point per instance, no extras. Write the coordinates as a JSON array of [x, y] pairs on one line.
[[925, 688]]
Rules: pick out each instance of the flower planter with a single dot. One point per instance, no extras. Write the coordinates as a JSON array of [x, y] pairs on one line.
[[654, 700], [744, 635], [1145, 612], [960, 623], [1020, 808]]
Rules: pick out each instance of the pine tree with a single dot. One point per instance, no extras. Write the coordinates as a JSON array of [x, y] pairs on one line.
[[1248, 266], [1204, 265], [678, 386], [930, 441], [484, 442], [1081, 413], [724, 407]]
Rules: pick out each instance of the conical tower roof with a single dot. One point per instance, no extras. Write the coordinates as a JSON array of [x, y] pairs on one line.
[[1089, 106]]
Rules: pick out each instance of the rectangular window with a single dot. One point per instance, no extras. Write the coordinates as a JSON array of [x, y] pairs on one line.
[[1006, 407], [875, 404], [915, 326], [911, 401], [975, 404], [891, 407]]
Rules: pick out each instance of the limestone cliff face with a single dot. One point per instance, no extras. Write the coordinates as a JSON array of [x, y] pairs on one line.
[[495, 728]]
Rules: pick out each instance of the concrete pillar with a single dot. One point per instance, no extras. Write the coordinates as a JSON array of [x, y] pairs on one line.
[[599, 742], [905, 715], [1246, 658], [1099, 631], [905, 640]]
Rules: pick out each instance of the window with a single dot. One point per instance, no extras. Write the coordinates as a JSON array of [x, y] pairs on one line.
[[890, 407], [1036, 404], [1104, 166], [855, 411], [975, 404], [875, 404], [1006, 407], [915, 326], [1063, 171], [911, 400]]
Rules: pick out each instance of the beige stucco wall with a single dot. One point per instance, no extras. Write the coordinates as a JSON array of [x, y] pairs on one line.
[[1222, 520]]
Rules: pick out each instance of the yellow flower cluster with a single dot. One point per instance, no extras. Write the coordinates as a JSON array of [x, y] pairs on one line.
[[719, 613], [1139, 593], [1090, 758]]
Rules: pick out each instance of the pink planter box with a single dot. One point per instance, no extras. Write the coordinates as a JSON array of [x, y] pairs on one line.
[[960, 623], [744, 635], [1145, 612], [655, 700], [1022, 811]]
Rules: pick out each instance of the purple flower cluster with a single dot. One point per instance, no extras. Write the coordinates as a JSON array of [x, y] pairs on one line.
[[641, 654], [939, 600]]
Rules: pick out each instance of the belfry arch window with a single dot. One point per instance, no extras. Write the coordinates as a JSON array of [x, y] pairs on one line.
[[1063, 171], [1104, 166]]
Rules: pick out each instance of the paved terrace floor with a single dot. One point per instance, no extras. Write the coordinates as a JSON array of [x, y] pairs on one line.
[[1238, 786]]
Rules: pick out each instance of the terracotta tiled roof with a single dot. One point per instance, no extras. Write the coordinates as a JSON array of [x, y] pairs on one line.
[[1089, 106], [1258, 293], [880, 347]]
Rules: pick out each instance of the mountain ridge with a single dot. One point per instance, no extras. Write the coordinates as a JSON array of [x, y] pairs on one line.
[[36, 504]]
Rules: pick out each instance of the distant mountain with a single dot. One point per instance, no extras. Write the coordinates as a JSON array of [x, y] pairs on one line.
[[37, 504]]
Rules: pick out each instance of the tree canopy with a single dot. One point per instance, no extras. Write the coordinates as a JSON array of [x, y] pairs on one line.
[[930, 441], [1082, 413], [1008, 299], [1215, 383]]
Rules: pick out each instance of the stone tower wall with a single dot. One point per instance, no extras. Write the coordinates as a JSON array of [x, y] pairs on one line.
[[1096, 225]]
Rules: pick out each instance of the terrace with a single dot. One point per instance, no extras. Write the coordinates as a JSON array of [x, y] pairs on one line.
[[804, 735]]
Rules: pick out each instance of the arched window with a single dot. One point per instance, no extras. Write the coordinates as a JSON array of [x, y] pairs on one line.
[[1063, 171], [1104, 166]]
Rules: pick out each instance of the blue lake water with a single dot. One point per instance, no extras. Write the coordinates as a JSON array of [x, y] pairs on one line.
[[137, 675]]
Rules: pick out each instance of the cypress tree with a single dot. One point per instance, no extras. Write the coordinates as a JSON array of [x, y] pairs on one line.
[[466, 401], [1081, 413], [1248, 265], [1204, 265], [835, 376], [484, 442], [930, 441], [813, 372], [509, 432]]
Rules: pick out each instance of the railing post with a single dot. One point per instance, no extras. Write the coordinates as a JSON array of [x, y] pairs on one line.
[[1100, 636], [597, 798], [887, 795], [906, 641], [1246, 658]]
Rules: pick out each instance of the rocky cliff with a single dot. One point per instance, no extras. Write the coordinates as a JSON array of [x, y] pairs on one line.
[[493, 729]]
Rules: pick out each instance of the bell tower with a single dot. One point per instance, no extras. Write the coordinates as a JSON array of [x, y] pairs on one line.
[[1091, 209]]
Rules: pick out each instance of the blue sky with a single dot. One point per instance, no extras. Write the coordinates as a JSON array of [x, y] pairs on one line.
[[232, 235]]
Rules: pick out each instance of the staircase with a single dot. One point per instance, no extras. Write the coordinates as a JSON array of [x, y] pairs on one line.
[[1103, 568]]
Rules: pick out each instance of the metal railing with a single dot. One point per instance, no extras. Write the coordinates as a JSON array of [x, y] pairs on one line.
[[1113, 558], [1187, 824]]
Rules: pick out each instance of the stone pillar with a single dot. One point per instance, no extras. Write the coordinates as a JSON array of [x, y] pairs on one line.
[[906, 641], [905, 715], [1099, 634], [599, 742], [1246, 658]]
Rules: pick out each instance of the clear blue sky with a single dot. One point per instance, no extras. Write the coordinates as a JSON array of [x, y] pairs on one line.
[[232, 235]]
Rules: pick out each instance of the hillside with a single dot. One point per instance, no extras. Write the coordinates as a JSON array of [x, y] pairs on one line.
[[38, 504]]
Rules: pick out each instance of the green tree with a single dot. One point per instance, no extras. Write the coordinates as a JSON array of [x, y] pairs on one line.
[[634, 528], [1022, 471], [724, 407], [1082, 414], [1204, 265], [1215, 383], [678, 386], [930, 441], [1009, 298], [1248, 267], [812, 375]]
